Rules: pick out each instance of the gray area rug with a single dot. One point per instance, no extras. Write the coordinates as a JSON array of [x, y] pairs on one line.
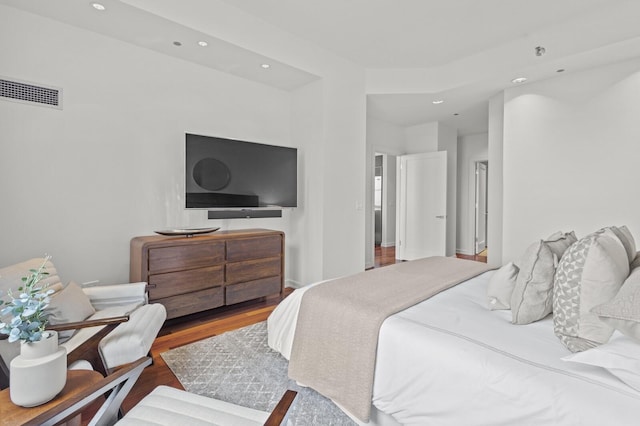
[[239, 367]]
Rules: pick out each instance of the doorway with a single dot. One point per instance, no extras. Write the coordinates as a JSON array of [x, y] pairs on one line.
[[481, 213], [383, 212], [377, 200]]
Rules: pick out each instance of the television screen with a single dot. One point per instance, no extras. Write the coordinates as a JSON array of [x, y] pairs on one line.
[[227, 173]]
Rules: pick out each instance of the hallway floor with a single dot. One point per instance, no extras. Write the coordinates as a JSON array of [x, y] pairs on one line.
[[384, 256]]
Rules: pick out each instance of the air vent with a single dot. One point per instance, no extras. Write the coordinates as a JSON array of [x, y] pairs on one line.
[[30, 93]]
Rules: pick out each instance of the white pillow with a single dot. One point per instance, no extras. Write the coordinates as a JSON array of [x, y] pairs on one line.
[[623, 311], [590, 273], [531, 299], [501, 287], [620, 356], [625, 237], [559, 242]]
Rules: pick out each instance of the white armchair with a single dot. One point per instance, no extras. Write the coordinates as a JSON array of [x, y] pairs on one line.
[[123, 326], [163, 406]]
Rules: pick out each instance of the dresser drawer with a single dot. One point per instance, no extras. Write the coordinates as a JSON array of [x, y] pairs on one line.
[[181, 257], [254, 248], [174, 283], [237, 293], [189, 303], [253, 269]]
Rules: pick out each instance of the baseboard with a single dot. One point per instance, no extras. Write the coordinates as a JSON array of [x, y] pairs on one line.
[[465, 252], [385, 245], [293, 284]]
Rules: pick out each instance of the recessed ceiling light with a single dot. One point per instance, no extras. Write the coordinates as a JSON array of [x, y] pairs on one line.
[[437, 102], [519, 80], [203, 43], [98, 6], [177, 43], [265, 66]]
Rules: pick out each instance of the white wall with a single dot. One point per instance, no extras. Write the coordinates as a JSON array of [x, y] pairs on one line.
[[571, 151], [448, 141], [385, 138], [81, 182], [389, 200], [344, 173], [304, 243], [471, 149], [495, 198], [421, 138]]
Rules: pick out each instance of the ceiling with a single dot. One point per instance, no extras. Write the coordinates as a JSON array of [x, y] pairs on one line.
[[414, 51]]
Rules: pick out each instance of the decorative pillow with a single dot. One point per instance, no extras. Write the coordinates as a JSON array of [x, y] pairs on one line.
[[69, 305], [623, 311], [636, 262], [559, 242], [620, 356], [590, 273], [501, 287], [531, 299], [625, 237]]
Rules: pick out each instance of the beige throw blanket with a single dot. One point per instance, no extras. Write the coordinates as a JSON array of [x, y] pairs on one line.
[[334, 349]]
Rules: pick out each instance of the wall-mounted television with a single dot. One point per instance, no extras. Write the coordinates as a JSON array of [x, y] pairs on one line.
[[226, 173]]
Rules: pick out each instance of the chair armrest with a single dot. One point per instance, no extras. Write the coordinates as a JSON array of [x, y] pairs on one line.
[[88, 323], [279, 414], [104, 296], [88, 349]]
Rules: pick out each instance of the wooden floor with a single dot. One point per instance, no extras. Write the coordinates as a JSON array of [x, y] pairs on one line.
[[387, 256], [384, 256], [182, 331], [476, 257]]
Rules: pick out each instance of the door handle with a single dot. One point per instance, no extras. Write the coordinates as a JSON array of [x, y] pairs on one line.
[[441, 217]]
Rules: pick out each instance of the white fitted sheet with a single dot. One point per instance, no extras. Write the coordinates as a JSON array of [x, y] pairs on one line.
[[451, 361]]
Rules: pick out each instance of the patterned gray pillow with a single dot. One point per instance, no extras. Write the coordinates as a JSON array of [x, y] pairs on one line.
[[623, 311], [590, 273]]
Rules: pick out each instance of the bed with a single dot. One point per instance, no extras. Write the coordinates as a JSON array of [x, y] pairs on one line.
[[449, 360]]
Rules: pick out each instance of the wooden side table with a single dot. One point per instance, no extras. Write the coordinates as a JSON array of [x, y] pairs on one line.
[[77, 381]]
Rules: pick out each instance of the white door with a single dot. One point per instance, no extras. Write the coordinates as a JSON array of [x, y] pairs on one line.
[[422, 205], [481, 207]]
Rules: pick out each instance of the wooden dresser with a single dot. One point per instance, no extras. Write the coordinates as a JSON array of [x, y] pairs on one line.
[[193, 274]]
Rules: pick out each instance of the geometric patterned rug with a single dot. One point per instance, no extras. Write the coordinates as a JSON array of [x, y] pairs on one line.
[[239, 367]]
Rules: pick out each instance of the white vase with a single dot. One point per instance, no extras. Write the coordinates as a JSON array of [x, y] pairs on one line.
[[39, 373]]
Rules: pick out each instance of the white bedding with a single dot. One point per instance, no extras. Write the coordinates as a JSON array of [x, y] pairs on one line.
[[451, 361]]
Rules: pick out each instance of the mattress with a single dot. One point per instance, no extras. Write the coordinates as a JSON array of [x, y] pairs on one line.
[[450, 361]]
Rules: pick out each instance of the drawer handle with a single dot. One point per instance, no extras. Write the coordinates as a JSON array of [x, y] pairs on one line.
[[151, 286]]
